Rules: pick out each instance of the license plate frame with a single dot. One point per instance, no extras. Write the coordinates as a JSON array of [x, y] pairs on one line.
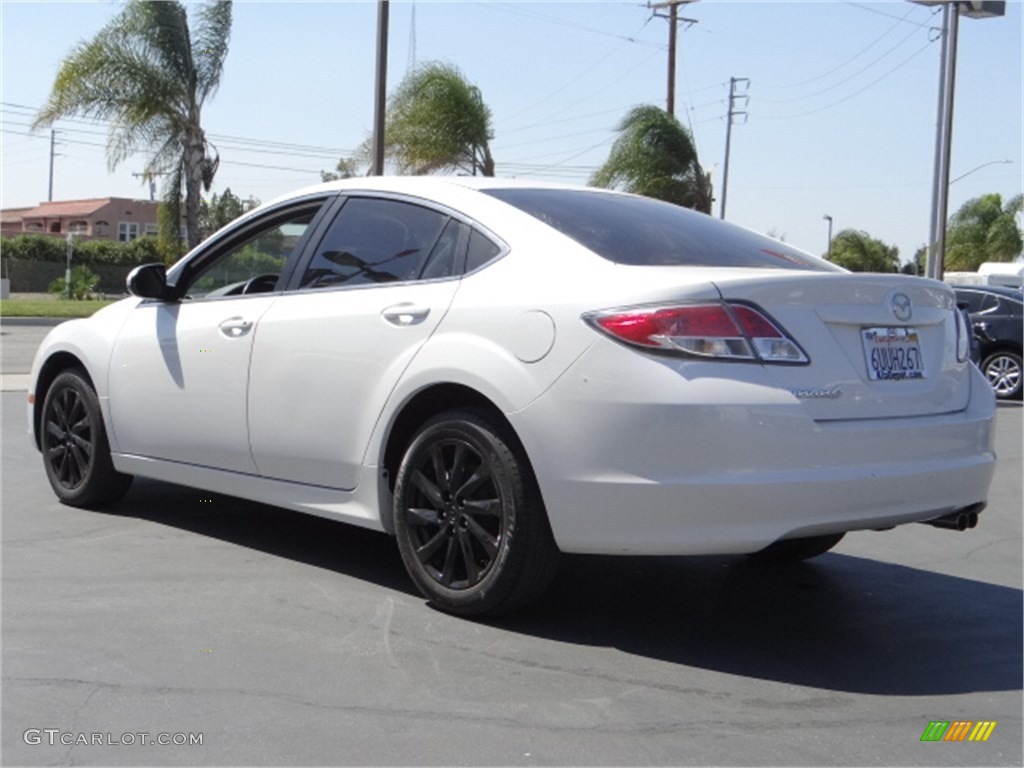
[[892, 353]]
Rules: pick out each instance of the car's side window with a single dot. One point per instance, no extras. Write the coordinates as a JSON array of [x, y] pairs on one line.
[[254, 264], [989, 304], [377, 241], [972, 300], [443, 259], [481, 251]]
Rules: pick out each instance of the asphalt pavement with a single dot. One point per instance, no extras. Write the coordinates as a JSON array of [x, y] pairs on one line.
[[282, 639]]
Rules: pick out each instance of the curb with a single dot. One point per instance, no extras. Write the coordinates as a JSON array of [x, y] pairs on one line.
[[42, 322]]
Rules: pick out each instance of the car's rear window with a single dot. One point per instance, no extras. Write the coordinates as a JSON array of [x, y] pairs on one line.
[[641, 231]]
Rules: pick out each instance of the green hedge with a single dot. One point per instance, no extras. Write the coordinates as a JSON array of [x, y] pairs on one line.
[[92, 252], [36, 276]]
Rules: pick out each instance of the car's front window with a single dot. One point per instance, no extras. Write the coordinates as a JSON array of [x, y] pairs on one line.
[[641, 231], [254, 264]]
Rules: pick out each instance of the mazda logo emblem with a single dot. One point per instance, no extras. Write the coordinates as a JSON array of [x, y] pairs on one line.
[[901, 307]]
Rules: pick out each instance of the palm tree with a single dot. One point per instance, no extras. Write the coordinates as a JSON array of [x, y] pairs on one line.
[[654, 156], [150, 74], [858, 251], [436, 120], [984, 230]]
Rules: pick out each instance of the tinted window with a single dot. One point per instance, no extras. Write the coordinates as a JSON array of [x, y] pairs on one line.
[[481, 250], [642, 231], [262, 254], [971, 299], [375, 241], [442, 260]]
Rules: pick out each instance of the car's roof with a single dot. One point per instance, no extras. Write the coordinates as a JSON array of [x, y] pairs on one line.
[[1001, 290], [428, 186]]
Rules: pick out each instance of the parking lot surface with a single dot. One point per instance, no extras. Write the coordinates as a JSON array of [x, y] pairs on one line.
[[283, 639]]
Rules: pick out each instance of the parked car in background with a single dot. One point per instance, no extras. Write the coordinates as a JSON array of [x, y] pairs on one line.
[[998, 320], [495, 372]]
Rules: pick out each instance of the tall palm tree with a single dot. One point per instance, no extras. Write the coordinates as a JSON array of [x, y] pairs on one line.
[[984, 229], [654, 156], [436, 120], [149, 74]]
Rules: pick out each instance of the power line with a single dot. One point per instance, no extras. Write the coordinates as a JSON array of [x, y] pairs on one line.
[[851, 59], [874, 82], [883, 13], [566, 22], [846, 79]]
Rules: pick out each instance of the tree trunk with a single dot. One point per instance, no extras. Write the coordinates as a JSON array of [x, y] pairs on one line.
[[488, 164], [195, 152]]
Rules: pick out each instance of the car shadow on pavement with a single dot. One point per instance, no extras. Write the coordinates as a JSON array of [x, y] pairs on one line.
[[367, 555], [838, 622]]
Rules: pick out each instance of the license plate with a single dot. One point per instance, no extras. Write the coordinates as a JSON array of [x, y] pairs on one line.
[[892, 354]]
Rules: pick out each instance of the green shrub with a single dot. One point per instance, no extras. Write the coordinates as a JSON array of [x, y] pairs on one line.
[[83, 283], [33, 248]]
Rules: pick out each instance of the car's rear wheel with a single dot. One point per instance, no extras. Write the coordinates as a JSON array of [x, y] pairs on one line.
[[470, 523], [1003, 371], [798, 549], [76, 452]]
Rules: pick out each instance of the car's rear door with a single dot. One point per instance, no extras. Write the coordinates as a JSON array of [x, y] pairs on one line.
[[329, 352], [179, 371]]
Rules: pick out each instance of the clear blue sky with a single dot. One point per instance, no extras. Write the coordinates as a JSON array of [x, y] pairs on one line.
[[841, 113]]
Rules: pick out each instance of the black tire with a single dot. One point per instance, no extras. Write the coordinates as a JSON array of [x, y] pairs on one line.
[[1003, 370], [76, 453], [471, 526], [790, 550]]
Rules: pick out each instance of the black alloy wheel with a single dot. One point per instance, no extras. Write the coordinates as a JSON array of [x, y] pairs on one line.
[[471, 528], [76, 453]]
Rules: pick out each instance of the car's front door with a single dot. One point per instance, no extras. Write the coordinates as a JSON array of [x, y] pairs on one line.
[[179, 371], [329, 353]]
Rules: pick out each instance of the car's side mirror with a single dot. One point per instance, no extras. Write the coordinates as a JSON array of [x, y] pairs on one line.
[[148, 281]]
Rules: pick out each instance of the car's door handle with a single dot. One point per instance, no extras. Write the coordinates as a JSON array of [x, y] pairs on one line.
[[404, 314], [234, 327]]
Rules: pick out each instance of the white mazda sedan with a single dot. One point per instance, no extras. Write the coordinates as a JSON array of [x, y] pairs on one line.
[[495, 372]]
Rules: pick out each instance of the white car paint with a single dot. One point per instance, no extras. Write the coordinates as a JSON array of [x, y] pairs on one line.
[[634, 452]]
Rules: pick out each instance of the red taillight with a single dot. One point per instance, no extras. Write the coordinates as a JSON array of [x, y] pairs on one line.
[[719, 330]]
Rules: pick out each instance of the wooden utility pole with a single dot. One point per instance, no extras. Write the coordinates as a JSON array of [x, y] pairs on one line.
[[380, 89], [673, 29]]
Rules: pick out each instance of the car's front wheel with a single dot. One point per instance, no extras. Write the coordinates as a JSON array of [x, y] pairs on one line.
[[76, 452], [789, 550], [469, 519], [1003, 371]]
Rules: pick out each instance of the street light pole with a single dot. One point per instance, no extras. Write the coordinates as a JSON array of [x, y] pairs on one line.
[[978, 168], [937, 262], [828, 253], [951, 12]]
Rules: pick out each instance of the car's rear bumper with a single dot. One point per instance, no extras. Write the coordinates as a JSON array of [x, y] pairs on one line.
[[738, 465]]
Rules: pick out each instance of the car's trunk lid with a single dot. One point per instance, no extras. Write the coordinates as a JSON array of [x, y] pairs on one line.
[[879, 345]]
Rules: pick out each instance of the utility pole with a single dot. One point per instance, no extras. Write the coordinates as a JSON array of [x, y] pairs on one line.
[[673, 29], [53, 142], [734, 96], [152, 182], [380, 99]]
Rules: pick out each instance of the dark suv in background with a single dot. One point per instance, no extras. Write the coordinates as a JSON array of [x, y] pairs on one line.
[[997, 315]]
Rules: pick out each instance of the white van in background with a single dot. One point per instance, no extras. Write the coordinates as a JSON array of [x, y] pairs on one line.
[[990, 273]]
